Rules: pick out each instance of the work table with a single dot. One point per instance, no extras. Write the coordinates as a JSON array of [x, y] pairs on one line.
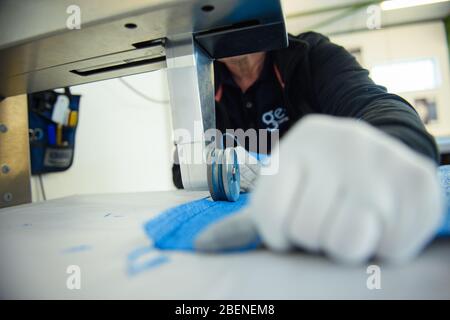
[[103, 235]]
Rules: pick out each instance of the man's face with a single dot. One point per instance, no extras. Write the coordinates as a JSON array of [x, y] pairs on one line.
[[235, 59], [238, 60]]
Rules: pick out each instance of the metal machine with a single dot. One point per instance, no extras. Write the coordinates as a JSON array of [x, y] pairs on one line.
[[42, 48]]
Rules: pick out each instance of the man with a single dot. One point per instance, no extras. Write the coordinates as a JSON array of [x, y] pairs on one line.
[[351, 188]]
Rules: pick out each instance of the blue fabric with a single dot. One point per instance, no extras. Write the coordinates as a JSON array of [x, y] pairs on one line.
[[137, 261], [444, 175], [177, 228]]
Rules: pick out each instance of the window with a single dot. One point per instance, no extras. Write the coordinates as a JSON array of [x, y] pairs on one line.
[[407, 76]]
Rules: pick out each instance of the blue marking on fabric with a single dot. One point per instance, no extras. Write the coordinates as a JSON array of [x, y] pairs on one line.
[[113, 215], [444, 176], [136, 266], [76, 249], [178, 227]]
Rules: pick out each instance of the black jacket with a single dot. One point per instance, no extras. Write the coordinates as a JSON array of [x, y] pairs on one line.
[[322, 77]]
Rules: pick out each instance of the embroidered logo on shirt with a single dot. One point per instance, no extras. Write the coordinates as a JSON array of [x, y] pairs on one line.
[[274, 118]]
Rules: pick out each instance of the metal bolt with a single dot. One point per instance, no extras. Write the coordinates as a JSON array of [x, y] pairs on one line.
[[3, 128], [7, 196], [5, 169]]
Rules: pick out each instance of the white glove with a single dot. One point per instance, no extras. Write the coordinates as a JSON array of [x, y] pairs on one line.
[[249, 168], [343, 188]]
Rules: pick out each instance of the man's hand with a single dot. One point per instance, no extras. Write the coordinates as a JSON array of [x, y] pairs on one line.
[[343, 188], [249, 169]]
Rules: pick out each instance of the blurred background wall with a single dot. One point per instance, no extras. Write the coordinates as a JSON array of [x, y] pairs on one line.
[[123, 141]]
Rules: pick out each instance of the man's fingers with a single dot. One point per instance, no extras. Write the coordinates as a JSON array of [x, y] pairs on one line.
[[353, 234], [314, 205], [419, 212], [272, 198], [248, 178], [234, 233], [248, 161]]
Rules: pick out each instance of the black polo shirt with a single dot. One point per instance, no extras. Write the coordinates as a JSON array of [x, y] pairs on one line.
[[262, 106]]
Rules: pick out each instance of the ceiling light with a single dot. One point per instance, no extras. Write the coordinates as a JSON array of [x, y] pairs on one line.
[[401, 4]]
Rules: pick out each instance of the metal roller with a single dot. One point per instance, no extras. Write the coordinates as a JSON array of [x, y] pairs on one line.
[[223, 174]]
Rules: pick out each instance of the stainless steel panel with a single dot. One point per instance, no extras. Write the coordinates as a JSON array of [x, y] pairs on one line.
[[191, 88], [89, 70], [36, 44]]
